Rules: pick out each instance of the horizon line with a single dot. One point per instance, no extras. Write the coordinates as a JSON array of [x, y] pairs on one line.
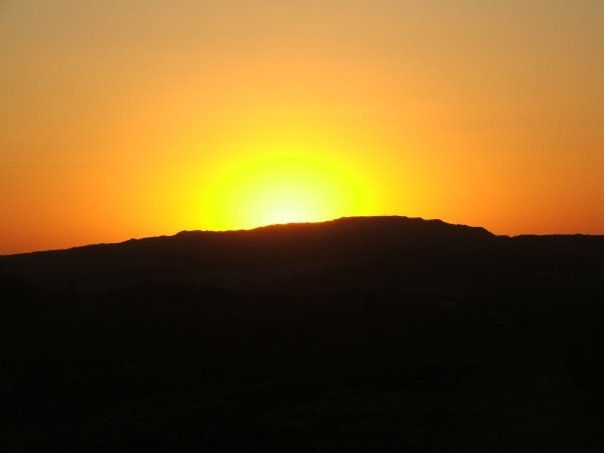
[[305, 223]]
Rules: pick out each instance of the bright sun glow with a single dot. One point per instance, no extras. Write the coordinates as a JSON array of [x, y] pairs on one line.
[[281, 188]]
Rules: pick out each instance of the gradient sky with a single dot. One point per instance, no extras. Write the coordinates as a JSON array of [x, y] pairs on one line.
[[124, 119]]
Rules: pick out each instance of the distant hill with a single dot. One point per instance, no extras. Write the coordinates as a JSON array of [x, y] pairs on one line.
[[358, 334], [393, 243], [199, 251]]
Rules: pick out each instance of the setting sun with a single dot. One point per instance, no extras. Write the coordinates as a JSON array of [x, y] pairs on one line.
[[281, 187]]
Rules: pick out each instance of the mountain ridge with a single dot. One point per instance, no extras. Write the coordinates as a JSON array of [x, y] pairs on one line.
[[261, 257], [284, 228], [349, 220]]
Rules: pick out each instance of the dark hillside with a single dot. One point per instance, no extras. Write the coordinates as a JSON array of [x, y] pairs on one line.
[[360, 334]]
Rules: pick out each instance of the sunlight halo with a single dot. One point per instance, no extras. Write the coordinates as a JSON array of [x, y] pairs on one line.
[[282, 187]]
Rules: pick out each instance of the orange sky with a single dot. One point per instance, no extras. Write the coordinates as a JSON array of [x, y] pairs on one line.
[[128, 119]]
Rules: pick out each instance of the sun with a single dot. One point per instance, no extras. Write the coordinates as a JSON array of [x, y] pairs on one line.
[[282, 187]]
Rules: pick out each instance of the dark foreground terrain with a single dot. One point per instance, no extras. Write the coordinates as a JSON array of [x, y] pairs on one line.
[[357, 335]]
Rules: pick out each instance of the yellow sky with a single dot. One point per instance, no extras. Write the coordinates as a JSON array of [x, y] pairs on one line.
[[123, 119]]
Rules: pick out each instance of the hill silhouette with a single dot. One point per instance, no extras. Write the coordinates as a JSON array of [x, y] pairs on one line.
[[358, 334]]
